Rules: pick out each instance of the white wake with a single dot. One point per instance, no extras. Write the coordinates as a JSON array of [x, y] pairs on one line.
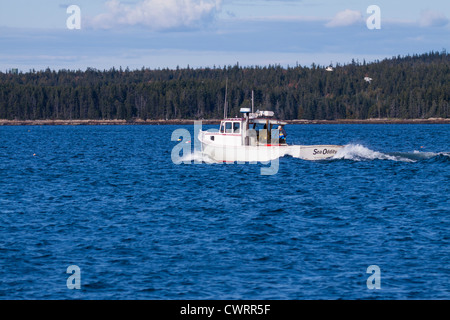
[[358, 152], [355, 152], [197, 156]]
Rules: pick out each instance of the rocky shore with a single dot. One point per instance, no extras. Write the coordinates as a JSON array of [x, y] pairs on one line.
[[213, 121]]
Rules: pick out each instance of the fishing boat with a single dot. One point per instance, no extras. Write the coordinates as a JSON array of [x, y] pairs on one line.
[[256, 137]]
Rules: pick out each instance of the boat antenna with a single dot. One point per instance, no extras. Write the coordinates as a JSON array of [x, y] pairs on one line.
[[225, 107], [253, 100]]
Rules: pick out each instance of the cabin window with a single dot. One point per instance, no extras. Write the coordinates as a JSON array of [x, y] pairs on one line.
[[228, 127], [222, 128], [236, 127]]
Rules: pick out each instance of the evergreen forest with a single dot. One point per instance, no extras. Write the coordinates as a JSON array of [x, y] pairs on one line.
[[406, 87]]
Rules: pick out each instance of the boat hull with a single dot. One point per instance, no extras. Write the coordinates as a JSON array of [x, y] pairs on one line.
[[314, 152], [266, 153]]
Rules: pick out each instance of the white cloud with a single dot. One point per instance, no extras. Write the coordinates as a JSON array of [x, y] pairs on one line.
[[345, 18], [430, 18], [280, 18], [156, 14]]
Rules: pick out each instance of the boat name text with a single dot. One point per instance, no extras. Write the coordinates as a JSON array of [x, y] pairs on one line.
[[324, 151]]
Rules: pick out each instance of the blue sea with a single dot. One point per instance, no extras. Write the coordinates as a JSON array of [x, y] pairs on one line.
[[110, 200]]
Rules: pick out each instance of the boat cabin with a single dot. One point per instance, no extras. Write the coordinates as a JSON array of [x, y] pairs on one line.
[[254, 129]]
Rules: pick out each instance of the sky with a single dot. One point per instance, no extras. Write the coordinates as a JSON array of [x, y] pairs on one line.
[[215, 33]]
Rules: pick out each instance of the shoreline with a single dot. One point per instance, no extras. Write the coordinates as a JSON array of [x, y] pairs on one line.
[[4, 122]]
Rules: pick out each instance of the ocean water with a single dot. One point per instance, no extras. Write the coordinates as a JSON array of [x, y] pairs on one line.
[[109, 200]]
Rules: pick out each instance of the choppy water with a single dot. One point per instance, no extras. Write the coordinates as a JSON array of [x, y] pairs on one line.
[[110, 200]]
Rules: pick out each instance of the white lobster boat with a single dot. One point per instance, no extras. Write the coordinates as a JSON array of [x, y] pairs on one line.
[[257, 137]]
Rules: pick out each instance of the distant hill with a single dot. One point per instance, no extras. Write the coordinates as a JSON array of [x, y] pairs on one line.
[[407, 87]]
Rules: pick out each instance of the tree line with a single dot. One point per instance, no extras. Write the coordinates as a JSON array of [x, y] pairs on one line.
[[407, 87]]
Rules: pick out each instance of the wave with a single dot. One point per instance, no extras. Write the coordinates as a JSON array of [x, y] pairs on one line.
[[198, 157], [355, 152], [358, 152]]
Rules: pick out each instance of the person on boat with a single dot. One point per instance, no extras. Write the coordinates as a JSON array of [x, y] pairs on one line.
[[282, 134]]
